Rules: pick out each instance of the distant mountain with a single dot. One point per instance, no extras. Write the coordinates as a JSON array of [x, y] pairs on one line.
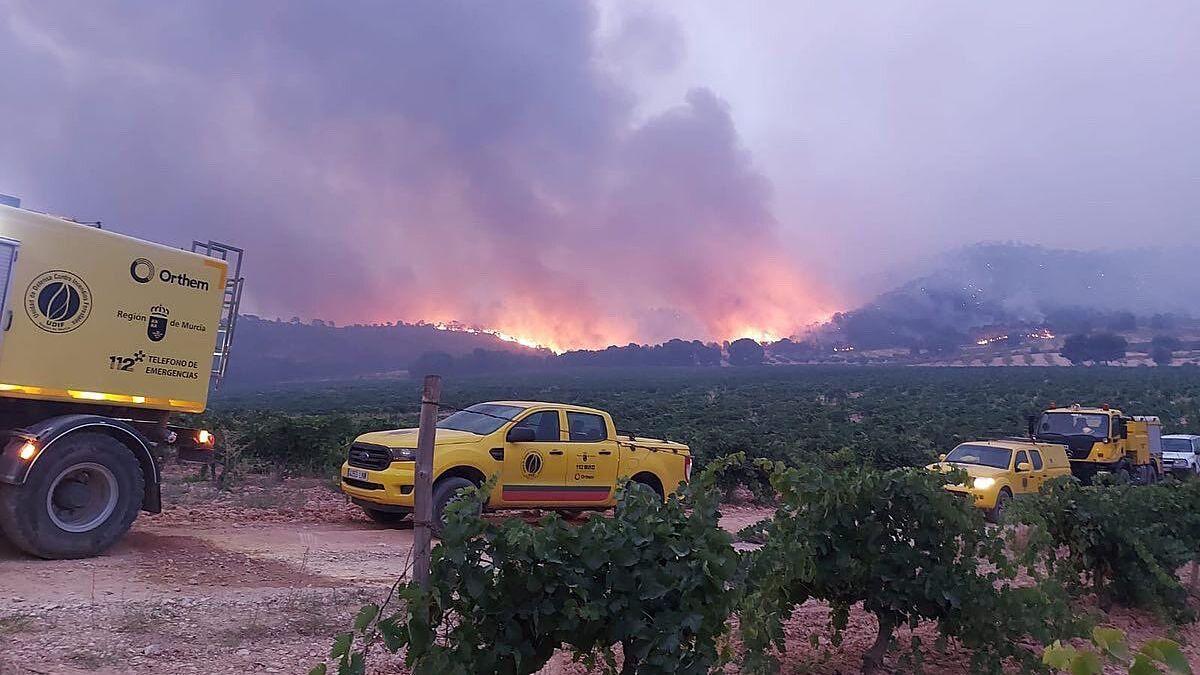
[[1029, 281], [973, 290], [1013, 284], [279, 351]]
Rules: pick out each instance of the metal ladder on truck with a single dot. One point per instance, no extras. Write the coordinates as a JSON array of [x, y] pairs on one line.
[[230, 303]]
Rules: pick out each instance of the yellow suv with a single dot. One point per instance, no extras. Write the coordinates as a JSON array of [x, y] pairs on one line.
[[547, 455], [999, 471]]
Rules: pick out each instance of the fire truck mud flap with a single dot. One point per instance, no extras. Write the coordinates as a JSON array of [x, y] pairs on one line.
[[24, 448]]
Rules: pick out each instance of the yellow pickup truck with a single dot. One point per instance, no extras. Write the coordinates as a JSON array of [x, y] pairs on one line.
[[998, 471], [547, 455]]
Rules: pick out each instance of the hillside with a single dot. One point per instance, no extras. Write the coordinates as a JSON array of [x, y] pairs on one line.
[[1019, 286], [1025, 293], [280, 351]]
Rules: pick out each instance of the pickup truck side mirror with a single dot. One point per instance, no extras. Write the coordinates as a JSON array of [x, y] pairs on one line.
[[521, 435], [942, 457], [1024, 466]]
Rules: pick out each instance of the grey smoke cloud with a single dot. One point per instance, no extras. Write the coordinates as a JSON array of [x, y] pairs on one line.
[[384, 161], [589, 174]]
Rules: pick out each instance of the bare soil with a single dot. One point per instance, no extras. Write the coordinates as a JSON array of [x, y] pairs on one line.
[[258, 580]]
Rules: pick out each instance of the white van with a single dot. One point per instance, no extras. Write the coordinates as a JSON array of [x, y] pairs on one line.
[[1181, 454]]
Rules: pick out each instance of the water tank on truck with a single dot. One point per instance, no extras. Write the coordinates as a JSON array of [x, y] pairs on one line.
[[102, 338]]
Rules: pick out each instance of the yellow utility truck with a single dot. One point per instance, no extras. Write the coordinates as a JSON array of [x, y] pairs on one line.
[[1001, 470], [1104, 439], [547, 455], [102, 337]]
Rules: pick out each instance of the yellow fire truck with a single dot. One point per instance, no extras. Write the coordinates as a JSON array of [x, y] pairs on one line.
[[102, 337], [1104, 439]]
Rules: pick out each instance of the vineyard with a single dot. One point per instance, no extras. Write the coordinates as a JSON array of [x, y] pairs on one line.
[[659, 588], [857, 529], [890, 417]]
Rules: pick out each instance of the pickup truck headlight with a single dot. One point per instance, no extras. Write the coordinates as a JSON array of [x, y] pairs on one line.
[[404, 454], [984, 483]]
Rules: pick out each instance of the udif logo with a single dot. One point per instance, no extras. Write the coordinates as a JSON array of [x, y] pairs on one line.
[[58, 301], [143, 271]]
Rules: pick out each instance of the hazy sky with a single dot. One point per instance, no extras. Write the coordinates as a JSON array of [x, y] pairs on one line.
[[584, 174]]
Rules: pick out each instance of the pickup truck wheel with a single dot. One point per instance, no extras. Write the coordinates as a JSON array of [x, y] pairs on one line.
[[641, 488], [445, 492], [79, 498], [996, 514], [389, 518]]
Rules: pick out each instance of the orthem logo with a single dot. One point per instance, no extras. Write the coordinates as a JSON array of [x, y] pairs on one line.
[[156, 325], [533, 464], [58, 301], [142, 270]]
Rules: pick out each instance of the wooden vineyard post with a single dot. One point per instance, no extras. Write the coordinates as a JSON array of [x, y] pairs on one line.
[[431, 394]]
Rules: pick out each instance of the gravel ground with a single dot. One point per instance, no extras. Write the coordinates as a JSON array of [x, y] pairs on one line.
[[258, 579]]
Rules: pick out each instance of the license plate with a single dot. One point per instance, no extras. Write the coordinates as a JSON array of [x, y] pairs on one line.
[[357, 474]]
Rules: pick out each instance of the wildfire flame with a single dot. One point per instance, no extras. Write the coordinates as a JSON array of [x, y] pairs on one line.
[[507, 337], [1040, 334], [757, 334]]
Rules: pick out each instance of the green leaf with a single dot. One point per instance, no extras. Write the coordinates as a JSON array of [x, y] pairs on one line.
[[1168, 653], [365, 616], [1058, 656], [395, 637], [341, 645], [354, 665], [1086, 663], [1142, 665], [1111, 641], [318, 669]]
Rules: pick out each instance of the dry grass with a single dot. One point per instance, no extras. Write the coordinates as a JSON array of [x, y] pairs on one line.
[[139, 618], [11, 624], [90, 658]]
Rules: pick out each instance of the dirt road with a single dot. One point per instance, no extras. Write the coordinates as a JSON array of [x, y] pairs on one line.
[[258, 580], [222, 585], [254, 581]]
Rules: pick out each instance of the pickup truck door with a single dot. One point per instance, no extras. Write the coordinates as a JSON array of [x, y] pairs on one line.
[[1024, 481], [1038, 476], [593, 458], [534, 470]]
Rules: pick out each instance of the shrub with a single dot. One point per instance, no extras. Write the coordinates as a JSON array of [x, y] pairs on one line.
[[908, 550], [308, 445], [654, 579], [1096, 348], [1123, 542]]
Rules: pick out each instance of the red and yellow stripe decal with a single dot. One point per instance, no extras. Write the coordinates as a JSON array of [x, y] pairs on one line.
[[555, 493]]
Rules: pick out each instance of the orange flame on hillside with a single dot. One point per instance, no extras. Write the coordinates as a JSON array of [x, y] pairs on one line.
[[764, 304], [458, 327]]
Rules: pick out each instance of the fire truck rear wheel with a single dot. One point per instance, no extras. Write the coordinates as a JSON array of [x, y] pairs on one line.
[[80, 497]]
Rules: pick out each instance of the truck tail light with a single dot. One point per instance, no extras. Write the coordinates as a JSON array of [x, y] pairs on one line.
[[27, 451], [204, 437], [687, 468]]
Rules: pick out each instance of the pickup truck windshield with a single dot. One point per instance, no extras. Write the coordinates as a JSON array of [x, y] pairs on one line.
[[478, 419], [1177, 445], [983, 455], [1074, 424]]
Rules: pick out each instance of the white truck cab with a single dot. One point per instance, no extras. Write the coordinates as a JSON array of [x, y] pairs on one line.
[[1181, 454]]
